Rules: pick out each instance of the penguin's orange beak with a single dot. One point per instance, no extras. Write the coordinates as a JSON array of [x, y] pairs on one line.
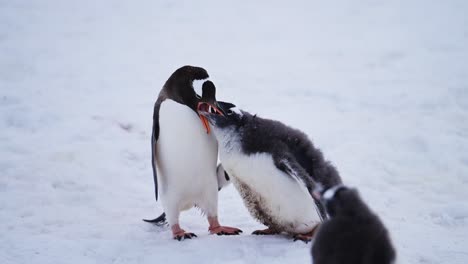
[[205, 124], [210, 108]]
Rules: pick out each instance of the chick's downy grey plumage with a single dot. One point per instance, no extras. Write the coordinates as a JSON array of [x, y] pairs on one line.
[[275, 168]]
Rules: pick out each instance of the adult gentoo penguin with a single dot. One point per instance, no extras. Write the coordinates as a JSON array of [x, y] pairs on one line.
[[353, 233], [207, 100], [184, 153], [274, 168]]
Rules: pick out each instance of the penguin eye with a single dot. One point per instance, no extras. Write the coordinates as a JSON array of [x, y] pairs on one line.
[[229, 112]]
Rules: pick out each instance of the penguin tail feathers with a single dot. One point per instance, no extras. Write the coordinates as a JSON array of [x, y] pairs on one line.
[[159, 221]]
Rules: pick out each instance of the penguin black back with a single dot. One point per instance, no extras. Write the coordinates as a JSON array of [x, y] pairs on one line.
[[353, 234], [295, 141]]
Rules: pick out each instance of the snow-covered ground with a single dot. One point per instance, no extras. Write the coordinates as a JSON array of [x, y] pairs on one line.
[[380, 86]]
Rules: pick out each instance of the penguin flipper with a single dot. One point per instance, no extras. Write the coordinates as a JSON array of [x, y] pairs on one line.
[[154, 140], [287, 164], [293, 169], [153, 166], [160, 220]]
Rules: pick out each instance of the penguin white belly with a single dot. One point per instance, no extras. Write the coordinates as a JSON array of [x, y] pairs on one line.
[[281, 198], [186, 158]]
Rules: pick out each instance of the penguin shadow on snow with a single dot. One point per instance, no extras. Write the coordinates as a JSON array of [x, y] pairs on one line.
[[353, 234]]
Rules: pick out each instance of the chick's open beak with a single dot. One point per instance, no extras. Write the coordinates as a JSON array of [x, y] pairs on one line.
[[209, 108]]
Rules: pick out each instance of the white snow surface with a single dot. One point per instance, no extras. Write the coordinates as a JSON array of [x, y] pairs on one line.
[[380, 86]]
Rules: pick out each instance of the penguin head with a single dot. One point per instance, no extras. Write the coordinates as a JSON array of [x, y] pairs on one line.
[[208, 93], [232, 117], [338, 200], [208, 103], [179, 86]]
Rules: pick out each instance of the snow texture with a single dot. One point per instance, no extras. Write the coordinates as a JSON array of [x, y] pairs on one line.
[[380, 86]]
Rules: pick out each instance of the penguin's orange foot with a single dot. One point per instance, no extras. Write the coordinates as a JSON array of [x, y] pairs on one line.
[[224, 230], [264, 232], [180, 234], [307, 237], [184, 235]]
